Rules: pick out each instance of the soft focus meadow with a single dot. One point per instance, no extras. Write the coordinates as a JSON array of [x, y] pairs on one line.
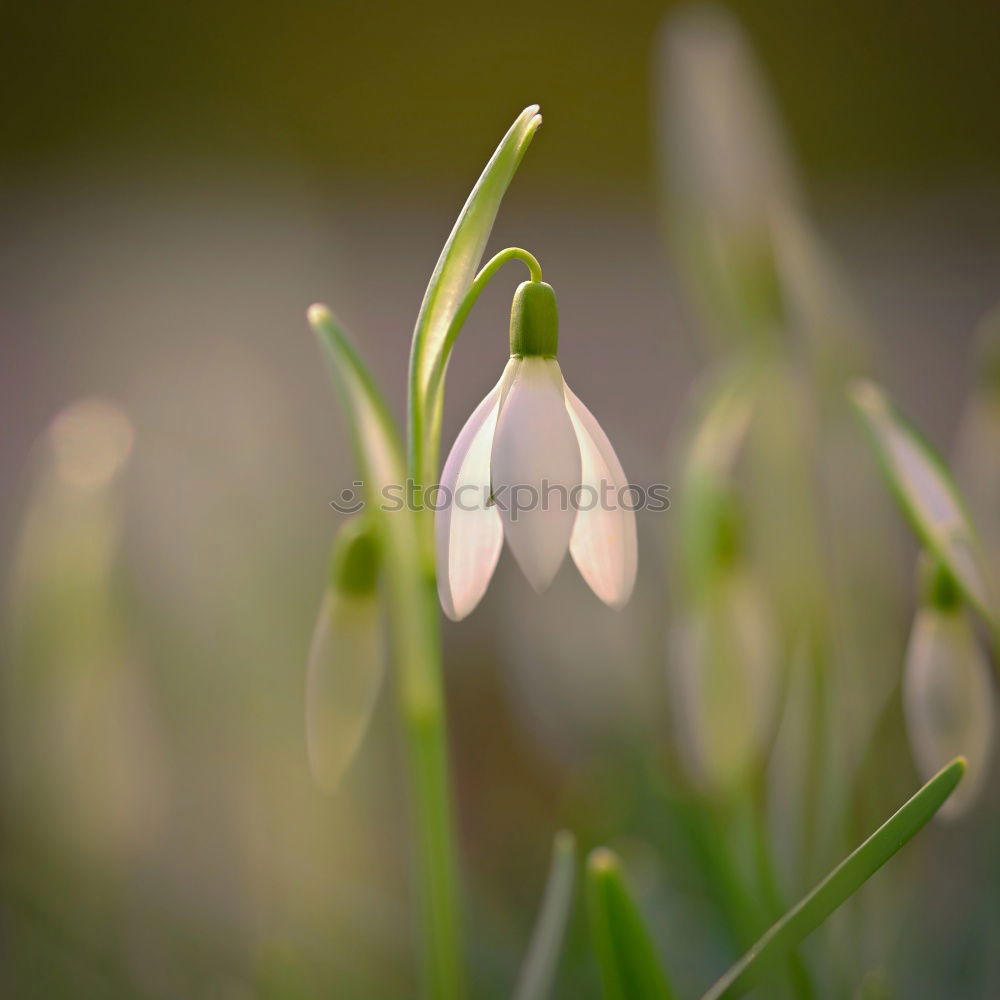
[[775, 239]]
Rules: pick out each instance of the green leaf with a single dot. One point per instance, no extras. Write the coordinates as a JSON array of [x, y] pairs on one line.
[[456, 268], [377, 444], [379, 455], [538, 972], [927, 492], [841, 883], [413, 613], [630, 969]]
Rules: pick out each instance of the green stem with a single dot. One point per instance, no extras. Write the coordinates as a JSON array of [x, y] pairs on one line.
[[480, 281], [421, 689], [423, 440], [417, 649], [427, 740], [413, 610]]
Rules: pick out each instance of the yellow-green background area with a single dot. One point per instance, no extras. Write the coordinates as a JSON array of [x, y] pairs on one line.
[[414, 91]]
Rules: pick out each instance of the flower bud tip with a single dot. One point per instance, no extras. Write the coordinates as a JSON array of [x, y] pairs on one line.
[[603, 861], [317, 313]]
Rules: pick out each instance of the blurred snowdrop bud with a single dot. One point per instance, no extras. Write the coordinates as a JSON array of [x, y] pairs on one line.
[[346, 657], [71, 524], [947, 692], [90, 442], [723, 677], [724, 141], [80, 705], [711, 444], [726, 165], [722, 650]]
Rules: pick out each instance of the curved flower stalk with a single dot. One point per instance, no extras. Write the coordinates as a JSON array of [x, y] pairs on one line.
[[533, 465], [346, 656], [947, 691]]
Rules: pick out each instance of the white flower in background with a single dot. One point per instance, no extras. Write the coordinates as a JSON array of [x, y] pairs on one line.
[[533, 464], [725, 681], [948, 696]]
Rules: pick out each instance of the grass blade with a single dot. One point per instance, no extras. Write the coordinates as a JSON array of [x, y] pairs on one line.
[[377, 445], [630, 969], [538, 972], [455, 270], [841, 883]]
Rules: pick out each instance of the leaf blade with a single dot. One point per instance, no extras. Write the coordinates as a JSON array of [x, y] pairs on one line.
[[452, 276], [927, 492], [630, 969], [540, 964], [840, 884], [376, 439]]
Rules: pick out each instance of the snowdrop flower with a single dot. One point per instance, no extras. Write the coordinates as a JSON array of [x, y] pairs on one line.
[[947, 692], [346, 658], [532, 464]]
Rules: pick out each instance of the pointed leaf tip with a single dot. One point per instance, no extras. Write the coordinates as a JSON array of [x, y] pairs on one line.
[[603, 861], [629, 965], [538, 973], [452, 277], [927, 493]]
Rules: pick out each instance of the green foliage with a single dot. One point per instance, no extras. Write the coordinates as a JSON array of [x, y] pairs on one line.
[[839, 885], [538, 972], [928, 494], [630, 969]]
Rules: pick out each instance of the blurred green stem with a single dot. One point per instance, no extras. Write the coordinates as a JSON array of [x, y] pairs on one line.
[[418, 653]]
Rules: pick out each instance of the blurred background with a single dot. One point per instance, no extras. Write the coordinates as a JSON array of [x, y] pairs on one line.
[[177, 184]]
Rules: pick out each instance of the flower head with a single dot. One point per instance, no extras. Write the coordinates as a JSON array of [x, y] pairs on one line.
[[533, 465], [947, 691]]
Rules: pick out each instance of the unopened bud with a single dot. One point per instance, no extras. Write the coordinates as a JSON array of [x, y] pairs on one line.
[[948, 700]]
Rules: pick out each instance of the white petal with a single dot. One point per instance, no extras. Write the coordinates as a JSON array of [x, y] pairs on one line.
[[948, 701], [603, 543], [536, 467], [468, 532], [346, 663]]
